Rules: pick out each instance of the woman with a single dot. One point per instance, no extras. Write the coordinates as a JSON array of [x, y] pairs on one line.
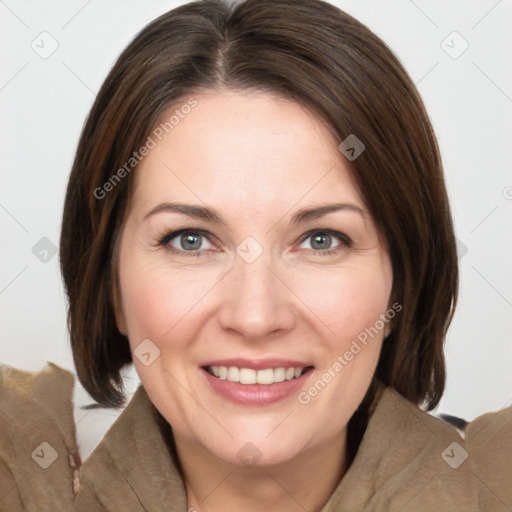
[[257, 219]]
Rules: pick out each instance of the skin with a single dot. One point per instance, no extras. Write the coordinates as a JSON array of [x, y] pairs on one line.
[[257, 160]]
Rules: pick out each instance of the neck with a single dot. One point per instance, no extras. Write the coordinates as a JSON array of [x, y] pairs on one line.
[[304, 483]]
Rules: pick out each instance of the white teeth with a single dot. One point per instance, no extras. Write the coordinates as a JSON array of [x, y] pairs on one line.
[[247, 376], [279, 374], [233, 374], [265, 376], [250, 376]]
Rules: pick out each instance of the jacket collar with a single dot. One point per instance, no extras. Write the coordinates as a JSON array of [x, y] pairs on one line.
[[136, 444], [399, 440]]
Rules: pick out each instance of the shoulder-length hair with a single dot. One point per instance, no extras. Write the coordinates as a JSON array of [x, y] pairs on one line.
[[310, 52]]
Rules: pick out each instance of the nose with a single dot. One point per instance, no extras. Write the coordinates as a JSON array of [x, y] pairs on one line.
[[256, 301]]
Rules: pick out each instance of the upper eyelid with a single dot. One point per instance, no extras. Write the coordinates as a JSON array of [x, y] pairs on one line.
[[345, 239], [170, 235], [334, 232]]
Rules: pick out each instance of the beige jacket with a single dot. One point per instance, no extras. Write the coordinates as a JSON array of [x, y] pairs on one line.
[[408, 461], [39, 458]]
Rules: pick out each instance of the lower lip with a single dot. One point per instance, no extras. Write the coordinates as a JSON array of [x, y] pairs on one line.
[[256, 394]]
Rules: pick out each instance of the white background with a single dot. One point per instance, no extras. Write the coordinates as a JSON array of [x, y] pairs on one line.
[[44, 103]]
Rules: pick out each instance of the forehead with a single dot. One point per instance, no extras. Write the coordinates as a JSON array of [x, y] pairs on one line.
[[245, 148]]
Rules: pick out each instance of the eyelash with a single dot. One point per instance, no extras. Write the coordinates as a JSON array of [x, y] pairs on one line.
[[165, 238]]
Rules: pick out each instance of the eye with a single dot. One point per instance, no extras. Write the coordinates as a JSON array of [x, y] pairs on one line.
[[186, 241], [321, 241], [190, 241]]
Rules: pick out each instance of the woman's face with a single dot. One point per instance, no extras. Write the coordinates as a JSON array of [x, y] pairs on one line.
[[256, 285]]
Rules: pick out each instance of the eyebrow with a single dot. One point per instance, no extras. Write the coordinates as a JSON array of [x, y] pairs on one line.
[[213, 216]]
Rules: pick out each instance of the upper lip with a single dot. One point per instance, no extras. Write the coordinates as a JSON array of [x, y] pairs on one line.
[[258, 364]]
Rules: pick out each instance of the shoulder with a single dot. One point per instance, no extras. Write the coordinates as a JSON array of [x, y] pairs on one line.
[[410, 460], [38, 453], [488, 442], [131, 468], [469, 464]]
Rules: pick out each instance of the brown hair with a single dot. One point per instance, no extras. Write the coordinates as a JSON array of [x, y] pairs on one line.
[[313, 53]]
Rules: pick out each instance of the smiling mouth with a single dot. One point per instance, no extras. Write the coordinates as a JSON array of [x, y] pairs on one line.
[[265, 376]]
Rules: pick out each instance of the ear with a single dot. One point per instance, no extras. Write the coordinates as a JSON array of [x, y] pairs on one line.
[[390, 320], [118, 308], [387, 329]]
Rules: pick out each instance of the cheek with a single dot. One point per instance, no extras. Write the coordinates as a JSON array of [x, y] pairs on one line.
[[349, 300], [158, 299], [352, 301]]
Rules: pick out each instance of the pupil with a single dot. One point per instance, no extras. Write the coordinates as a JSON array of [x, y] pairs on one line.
[[320, 238], [190, 239]]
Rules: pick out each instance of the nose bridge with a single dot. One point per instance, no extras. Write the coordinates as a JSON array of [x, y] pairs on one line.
[[257, 303]]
